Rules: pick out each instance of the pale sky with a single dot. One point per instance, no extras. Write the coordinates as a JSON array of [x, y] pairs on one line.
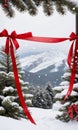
[[40, 25]]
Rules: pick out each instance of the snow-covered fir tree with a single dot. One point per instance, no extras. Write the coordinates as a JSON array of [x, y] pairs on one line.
[[27, 94], [60, 92], [43, 98], [9, 100]]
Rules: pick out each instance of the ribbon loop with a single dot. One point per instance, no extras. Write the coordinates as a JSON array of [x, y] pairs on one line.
[[13, 34], [13, 38], [4, 33]]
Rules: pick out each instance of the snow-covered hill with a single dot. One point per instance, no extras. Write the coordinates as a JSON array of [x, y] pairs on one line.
[[44, 67], [38, 62], [44, 118]]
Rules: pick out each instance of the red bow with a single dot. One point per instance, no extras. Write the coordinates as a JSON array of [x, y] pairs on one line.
[[11, 39], [10, 43]]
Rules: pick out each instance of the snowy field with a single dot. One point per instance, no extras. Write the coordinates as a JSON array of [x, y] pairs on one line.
[[44, 118]]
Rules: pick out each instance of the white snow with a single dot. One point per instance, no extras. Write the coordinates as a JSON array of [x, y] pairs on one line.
[[73, 93], [64, 83], [75, 85], [28, 101], [44, 118], [57, 65], [3, 73], [1, 97], [63, 93], [6, 89], [15, 104], [1, 108], [28, 95], [60, 88], [8, 99], [66, 74], [43, 60]]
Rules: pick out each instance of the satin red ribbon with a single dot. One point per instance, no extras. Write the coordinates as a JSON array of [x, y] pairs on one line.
[[11, 41], [73, 53], [73, 111]]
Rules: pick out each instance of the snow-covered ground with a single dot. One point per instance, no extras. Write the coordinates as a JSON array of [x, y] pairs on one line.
[[44, 118]]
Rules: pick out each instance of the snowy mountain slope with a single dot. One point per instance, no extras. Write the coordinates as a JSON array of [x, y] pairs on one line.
[[38, 62], [43, 68]]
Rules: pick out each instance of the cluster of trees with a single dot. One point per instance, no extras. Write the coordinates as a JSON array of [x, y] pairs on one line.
[[9, 101], [36, 97], [43, 97]]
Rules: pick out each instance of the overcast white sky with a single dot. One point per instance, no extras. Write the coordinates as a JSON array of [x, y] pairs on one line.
[[40, 25]]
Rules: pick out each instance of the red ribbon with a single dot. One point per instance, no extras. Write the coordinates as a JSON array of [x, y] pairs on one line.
[[11, 42], [73, 111], [5, 3], [73, 53]]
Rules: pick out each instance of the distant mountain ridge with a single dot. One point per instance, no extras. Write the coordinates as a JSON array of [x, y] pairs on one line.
[[43, 68]]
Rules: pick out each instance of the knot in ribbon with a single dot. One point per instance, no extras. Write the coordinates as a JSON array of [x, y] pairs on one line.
[[73, 36], [11, 40]]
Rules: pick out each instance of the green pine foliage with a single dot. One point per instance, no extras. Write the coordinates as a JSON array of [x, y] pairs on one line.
[[9, 100], [60, 93], [31, 6], [43, 98]]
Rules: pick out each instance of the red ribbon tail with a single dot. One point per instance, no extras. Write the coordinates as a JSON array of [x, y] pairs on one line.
[[70, 85], [18, 86], [70, 54], [15, 43]]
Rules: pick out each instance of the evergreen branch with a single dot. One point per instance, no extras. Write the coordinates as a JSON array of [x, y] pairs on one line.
[[60, 7], [30, 7], [8, 10], [37, 2], [47, 7], [19, 4], [71, 6]]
